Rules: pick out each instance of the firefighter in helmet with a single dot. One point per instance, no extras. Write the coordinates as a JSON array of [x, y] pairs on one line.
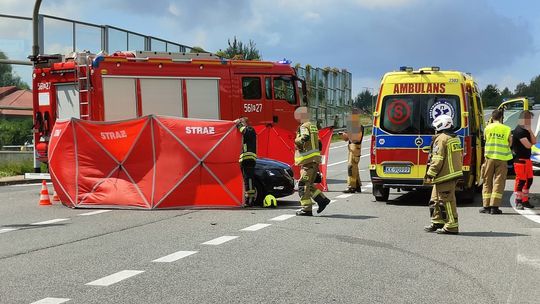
[[308, 157], [248, 157], [444, 168]]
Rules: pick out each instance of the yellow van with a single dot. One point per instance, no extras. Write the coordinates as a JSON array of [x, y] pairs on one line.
[[408, 102]]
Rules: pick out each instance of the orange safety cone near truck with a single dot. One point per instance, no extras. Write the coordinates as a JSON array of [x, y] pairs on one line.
[[55, 197], [44, 199]]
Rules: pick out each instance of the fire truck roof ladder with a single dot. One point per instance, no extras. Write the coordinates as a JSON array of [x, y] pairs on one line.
[[83, 83], [176, 56]]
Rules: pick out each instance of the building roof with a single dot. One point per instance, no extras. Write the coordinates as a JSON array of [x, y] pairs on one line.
[[17, 98]]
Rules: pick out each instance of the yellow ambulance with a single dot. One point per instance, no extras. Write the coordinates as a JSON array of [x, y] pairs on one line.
[[408, 102]]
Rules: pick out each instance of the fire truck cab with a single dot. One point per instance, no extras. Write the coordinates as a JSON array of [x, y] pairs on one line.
[[408, 103], [126, 85]]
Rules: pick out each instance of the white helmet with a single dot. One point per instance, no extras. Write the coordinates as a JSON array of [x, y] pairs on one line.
[[442, 122]]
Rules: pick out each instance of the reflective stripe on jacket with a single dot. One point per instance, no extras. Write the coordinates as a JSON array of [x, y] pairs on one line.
[[497, 145], [307, 144], [446, 158]]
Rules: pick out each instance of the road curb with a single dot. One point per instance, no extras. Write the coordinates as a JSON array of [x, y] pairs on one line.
[[19, 182]]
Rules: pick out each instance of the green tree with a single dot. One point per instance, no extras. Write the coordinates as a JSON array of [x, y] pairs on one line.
[[239, 50], [491, 96], [197, 49], [506, 93], [15, 131], [8, 77], [364, 100]]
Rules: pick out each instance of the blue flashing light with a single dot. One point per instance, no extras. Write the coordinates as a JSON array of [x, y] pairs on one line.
[[285, 61]]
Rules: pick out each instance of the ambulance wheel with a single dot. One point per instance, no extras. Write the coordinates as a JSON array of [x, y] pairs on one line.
[[381, 194]]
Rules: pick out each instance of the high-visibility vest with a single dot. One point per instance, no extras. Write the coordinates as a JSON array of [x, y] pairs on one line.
[[307, 144], [497, 146]]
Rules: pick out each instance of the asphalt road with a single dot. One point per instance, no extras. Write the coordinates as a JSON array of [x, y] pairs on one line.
[[356, 251]]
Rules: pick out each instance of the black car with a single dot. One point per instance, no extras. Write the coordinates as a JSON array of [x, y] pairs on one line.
[[272, 177]]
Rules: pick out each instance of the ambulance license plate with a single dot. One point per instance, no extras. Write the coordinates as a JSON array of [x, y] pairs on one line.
[[397, 169]]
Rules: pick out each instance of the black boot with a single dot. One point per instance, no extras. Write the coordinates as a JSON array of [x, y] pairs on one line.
[[303, 212], [495, 210], [349, 190], [485, 210], [433, 227], [322, 204]]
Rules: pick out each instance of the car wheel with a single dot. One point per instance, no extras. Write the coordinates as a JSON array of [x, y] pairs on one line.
[[381, 194], [259, 193]]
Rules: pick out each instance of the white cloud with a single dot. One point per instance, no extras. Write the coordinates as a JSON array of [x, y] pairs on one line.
[[312, 16], [173, 9], [383, 4]]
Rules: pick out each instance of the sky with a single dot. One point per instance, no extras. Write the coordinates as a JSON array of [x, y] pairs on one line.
[[497, 41]]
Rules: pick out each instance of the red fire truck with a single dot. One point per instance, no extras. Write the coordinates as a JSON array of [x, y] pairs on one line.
[[126, 85]]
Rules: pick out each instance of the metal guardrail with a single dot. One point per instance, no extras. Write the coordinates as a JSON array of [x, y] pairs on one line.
[[338, 130]]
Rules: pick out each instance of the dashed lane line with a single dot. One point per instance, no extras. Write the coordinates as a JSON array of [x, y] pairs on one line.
[[4, 230], [282, 217], [115, 278], [344, 195], [528, 261], [93, 212], [50, 222], [334, 164], [174, 256], [255, 227], [220, 240], [51, 301]]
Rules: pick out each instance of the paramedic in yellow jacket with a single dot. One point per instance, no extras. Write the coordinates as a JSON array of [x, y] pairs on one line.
[[308, 157], [444, 168]]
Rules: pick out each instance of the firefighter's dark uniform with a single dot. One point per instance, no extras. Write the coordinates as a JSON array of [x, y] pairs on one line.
[[494, 170], [444, 168], [248, 157], [308, 157]]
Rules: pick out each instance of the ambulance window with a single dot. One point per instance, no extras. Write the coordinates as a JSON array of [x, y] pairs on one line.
[[397, 115], [284, 90], [251, 88], [436, 105], [268, 87]]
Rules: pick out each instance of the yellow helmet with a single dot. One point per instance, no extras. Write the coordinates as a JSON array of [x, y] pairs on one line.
[[270, 201]]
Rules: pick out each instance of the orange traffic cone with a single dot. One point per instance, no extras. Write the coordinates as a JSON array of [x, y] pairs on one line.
[[55, 197], [44, 199]]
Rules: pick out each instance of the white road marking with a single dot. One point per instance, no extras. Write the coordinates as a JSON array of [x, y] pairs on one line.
[[28, 185], [93, 212], [115, 278], [50, 222], [220, 240], [51, 301], [364, 155], [337, 147], [344, 195], [4, 230], [527, 213], [255, 227], [174, 256], [340, 162], [525, 260], [333, 201], [282, 217]]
